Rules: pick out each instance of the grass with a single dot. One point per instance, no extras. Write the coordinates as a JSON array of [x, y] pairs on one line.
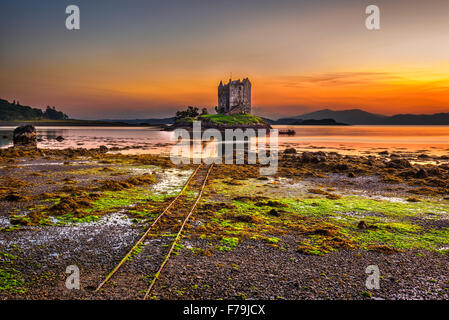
[[237, 119]]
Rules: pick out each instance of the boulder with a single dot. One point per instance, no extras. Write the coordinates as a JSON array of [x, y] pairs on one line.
[[341, 166], [422, 174], [310, 157], [399, 164], [434, 172], [25, 136], [362, 225], [395, 155], [103, 149], [274, 212], [290, 151]]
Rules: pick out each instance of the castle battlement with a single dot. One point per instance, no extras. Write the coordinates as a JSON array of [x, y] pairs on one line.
[[235, 96]]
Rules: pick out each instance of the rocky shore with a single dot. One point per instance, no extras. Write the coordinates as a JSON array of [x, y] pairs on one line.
[[220, 127], [309, 232], [222, 122]]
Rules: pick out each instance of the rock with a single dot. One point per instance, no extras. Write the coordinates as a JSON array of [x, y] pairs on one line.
[[25, 136], [274, 212], [423, 156], [434, 172], [351, 175], [59, 138], [15, 197], [399, 164], [290, 151], [103, 149], [342, 166], [362, 225], [408, 173], [313, 157], [422, 174], [307, 156], [395, 155], [383, 153]]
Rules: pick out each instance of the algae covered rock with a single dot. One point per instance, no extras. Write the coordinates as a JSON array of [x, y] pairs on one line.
[[25, 136], [290, 151]]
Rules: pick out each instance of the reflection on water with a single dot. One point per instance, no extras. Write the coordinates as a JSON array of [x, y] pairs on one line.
[[368, 139], [93, 137], [245, 150], [5, 138], [344, 139]]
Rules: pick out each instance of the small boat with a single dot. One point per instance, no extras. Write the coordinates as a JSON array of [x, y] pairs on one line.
[[287, 132]]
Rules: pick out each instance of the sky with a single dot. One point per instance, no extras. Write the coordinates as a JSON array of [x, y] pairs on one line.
[[144, 59]]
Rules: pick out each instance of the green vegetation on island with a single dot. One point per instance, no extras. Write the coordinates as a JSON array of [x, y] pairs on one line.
[[192, 114], [235, 119]]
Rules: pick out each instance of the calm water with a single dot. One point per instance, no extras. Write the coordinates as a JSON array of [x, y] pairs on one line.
[[344, 139]]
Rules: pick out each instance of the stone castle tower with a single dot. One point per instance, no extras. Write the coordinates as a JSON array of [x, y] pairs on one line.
[[234, 97]]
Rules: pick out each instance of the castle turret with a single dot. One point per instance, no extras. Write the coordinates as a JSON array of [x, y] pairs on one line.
[[235, 97]]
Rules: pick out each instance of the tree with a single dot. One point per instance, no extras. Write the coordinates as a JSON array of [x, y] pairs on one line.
[[219, 109], [204, 111], [191, 112], [53, 114]]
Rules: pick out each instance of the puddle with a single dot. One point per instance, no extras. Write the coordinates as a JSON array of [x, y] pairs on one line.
[[4, 222], [171, 181], [383, 198], [60, 163], [116, 226]]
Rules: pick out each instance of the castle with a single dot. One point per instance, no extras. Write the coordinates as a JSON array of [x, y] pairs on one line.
[[234, 97]]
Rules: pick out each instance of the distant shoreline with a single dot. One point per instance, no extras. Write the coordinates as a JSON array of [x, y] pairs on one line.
[[98, 123], [73, 123]]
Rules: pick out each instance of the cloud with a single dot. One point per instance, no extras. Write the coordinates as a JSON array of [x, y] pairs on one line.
[[336, 78]]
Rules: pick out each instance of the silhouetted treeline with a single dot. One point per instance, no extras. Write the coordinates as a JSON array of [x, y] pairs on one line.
[[190, 112], [11, 111]]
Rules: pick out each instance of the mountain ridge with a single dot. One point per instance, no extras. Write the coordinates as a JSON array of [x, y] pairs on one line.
[[361, 117]]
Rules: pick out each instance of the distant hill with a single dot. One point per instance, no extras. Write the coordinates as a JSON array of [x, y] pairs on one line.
[[419, 119], [13, 111], [321, 122], [357, 116]]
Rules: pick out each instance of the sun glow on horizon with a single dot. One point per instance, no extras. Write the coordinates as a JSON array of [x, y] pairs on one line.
[[299, 56]]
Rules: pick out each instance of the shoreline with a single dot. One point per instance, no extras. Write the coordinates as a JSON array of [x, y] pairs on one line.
[[75, 123]]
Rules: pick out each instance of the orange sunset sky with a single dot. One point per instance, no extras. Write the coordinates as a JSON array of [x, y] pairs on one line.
[[143, 59]]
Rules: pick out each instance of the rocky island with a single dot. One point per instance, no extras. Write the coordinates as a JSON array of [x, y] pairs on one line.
[[233, 110]]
